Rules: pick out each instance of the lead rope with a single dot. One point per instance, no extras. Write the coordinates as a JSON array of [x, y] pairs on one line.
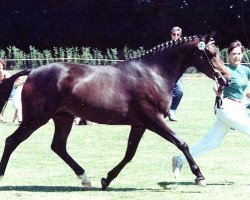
[[218, 100]]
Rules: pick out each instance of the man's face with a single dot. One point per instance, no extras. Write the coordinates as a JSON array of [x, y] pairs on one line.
[[175, 35]]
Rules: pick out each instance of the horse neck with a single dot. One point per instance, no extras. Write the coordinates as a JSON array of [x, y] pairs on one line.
[[171, 66]]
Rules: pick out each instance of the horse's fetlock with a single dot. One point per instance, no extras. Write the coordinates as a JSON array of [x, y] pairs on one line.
[[196, 167]]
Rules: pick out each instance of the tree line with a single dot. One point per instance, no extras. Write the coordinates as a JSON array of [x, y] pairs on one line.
[[107, 24]]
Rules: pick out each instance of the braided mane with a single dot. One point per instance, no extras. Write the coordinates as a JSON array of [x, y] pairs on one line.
[[166, 46]]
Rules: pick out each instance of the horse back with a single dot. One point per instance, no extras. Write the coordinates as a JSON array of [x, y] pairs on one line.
[[103, 94]]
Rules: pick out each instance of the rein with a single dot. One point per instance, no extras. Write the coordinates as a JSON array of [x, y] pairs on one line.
[[218, 100], [202, 47]]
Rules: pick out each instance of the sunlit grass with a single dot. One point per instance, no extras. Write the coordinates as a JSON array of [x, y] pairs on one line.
[[35, 172]]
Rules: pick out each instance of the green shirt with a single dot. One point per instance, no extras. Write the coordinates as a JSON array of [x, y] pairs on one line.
[[239, 81]]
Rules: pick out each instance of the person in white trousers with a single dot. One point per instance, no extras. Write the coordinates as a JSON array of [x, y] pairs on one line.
[[232, 114], [17, 99]]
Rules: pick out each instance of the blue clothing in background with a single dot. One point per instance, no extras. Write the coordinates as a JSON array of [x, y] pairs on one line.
[[177, 94]]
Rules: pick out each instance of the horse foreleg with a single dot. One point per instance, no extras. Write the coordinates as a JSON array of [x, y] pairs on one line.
[[160, 127], [133, 141], [25, 129], [63, 124]]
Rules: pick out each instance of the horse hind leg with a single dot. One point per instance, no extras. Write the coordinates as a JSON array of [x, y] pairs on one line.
[[63, 124], [25, 129], [135, 136]]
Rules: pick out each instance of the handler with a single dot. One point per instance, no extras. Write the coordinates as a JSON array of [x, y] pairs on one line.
[[232, 114]]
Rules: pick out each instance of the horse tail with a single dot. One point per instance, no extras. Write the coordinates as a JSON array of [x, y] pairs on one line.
[[6, 87]]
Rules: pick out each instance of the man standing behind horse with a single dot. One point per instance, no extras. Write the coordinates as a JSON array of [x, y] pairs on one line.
[[178, 88]]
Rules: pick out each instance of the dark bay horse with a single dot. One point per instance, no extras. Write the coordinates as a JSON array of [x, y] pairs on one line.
[[136, 92]]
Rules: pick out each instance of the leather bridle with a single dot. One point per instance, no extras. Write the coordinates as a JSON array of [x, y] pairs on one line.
[[220, 80]]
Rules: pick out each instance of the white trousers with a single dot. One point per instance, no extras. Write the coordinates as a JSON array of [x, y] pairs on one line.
[[231, 115]]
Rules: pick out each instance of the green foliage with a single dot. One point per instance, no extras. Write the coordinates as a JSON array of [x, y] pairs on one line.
[[18, 59], [2, 54], [98, 57], [223, 55], [47, 54], [246, 57], [86, 55], [112, 55]]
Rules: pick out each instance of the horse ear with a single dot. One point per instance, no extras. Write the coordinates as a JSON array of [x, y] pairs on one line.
[[207, 38]]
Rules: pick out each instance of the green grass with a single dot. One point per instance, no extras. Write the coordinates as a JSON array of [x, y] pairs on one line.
[[35, 172]]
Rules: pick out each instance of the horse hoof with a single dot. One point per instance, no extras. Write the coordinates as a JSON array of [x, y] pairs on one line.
[[86, 185], [201, 182], [85, 181], [104, 183]]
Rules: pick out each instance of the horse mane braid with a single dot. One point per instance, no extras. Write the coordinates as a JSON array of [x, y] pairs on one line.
[[165, 46]]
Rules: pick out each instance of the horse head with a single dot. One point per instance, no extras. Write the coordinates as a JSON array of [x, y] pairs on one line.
[[209, 61]]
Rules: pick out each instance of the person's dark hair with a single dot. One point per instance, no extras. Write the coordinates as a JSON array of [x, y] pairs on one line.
[[3, 63], [234, 44]]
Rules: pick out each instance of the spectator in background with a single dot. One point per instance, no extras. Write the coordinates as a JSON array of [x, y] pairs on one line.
[[178, 88], [3, 75], [16, 99]]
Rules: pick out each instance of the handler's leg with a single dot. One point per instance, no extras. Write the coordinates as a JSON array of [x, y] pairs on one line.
[[208, 143], [238, 120]]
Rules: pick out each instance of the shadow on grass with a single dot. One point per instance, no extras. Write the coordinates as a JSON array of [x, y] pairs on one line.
[[164, 185], [171, 185], [37, 188]]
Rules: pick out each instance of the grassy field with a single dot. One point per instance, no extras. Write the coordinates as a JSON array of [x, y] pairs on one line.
[[35, 172]]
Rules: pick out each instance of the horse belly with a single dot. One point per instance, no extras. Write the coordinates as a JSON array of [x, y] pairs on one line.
[[101, 114], [108, 110], [105, 117]]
